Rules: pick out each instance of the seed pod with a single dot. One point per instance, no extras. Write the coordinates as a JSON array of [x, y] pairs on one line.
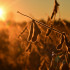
[[30, 32], [29, 47], [60, 45], [57, 4], [48, 32], [55, 9], [36, 32], [67, 43]]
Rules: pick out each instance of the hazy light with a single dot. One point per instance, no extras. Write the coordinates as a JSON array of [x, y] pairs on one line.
[[2, 14]]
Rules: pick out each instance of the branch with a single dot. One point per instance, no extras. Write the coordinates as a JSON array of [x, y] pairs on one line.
[[40, 23]]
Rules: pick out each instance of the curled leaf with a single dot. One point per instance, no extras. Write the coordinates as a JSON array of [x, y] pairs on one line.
[[36, 32]]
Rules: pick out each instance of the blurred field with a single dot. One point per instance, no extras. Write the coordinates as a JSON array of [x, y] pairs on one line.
[[13, 54]]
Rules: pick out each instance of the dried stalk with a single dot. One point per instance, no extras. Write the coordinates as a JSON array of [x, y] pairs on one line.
[[40, 23]]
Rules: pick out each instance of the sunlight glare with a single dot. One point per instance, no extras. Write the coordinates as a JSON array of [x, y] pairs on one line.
[[2, 14]]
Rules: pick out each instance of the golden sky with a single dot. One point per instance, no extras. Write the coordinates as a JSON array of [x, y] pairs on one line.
[[35, 8]]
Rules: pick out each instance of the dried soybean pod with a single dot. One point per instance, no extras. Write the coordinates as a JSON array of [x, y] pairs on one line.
[[48, 32], [67, 43], [55, 9], [30, 32], [62, 40], [29, 47], [36, 32], [57, 4], [52, 15], [60, 45]]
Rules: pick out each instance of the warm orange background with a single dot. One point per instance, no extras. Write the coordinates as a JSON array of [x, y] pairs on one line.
[[36, 8]]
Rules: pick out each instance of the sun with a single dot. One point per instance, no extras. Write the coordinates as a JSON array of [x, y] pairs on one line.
[[2, 14]]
